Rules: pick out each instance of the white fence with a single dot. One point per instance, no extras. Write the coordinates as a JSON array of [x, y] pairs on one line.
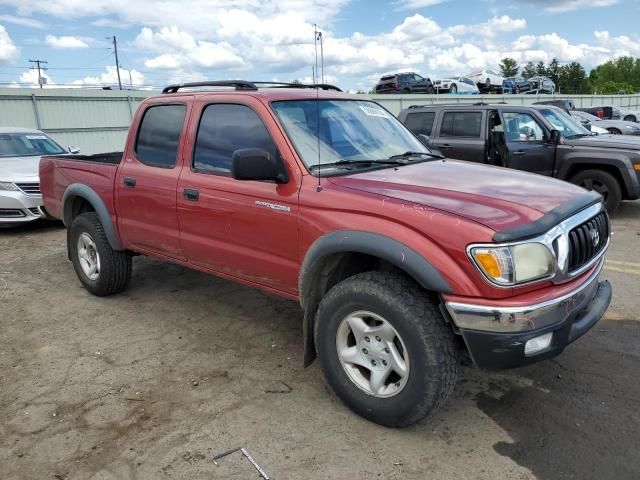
[[97, 121]]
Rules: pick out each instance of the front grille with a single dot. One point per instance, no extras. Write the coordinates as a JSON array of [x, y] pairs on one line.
[[586, 241], [11, 213], [31, 188]]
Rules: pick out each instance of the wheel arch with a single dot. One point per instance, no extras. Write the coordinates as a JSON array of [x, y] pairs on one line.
[[79, 198], [617, 164], [341, 254]]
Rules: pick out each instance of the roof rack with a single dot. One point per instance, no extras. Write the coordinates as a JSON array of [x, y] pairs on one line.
[[246, 85]]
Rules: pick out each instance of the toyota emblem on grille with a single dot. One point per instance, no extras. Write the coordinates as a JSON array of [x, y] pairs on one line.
[[595, 237]]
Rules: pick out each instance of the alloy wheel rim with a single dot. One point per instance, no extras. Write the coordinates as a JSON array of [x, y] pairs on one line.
[[88, 256], [596, 186], [372, 354]]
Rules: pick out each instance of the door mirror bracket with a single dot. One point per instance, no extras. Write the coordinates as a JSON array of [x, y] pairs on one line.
[[556, 137]]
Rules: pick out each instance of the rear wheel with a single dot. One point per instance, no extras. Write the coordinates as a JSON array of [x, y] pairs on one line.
[[631, 118], [101, 269], [614, 131], [487, 84], [453, 88], [602, 182], [385, 349], [406, 90]]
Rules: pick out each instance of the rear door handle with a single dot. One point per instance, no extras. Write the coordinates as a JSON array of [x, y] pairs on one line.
[[129, 182], [445, 145], [191, 194], [519, 152]]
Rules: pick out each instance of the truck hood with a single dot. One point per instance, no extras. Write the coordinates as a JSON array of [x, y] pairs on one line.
[[623, 142], [19, 168], [498, 198]]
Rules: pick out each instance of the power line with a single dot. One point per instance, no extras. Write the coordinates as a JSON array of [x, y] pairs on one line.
[[41, 79]]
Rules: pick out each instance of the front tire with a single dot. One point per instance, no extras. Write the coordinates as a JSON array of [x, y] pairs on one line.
[[602, 182], [385, 349], [614, 131], [101, 269], [630, 118], [453, 89]]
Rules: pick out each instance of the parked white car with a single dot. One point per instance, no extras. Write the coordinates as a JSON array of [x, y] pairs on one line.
[[487, 80], [20, 152], [456, 85]]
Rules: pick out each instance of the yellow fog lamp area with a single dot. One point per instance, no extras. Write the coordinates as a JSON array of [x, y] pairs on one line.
[[513, 264]]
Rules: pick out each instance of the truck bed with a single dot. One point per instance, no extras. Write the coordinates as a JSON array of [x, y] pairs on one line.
[[58, 172]]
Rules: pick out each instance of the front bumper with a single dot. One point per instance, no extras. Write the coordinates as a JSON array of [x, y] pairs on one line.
[[496, 336], [17, 207]]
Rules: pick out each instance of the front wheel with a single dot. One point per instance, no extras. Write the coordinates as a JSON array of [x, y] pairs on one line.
[[101, 269], [385, 349], [602, 182], [454, 88]]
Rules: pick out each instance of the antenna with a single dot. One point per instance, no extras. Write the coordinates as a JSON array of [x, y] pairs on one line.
[[317, 36]]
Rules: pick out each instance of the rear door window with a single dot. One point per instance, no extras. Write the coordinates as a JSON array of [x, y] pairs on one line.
[[420, 122], [159, 135], [461, 124]]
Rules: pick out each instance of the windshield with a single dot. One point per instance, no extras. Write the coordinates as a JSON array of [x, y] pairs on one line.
[[587, 116], [27, 145], [564, 123], [350, 130]]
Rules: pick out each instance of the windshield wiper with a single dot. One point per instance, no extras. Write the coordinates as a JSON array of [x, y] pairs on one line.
[[341, 163], [415, 154]]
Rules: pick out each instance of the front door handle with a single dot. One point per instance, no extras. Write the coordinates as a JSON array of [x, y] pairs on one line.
[[445, 146], [191, 194], [519, 152], [129, 182]]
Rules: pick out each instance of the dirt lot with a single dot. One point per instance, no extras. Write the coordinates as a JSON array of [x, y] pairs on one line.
[[152, 383]]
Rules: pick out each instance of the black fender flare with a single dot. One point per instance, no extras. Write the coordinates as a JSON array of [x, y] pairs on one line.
[[87, 193], [612, 159], [356, 241]]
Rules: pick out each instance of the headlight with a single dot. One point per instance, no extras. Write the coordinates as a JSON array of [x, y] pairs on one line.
[[514, 264], [8, 186]]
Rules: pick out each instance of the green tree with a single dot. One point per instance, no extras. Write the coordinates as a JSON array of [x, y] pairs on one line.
[[529, 70], [573, 79], [623, 70], [553, 71], [541, 68], [509, 67]]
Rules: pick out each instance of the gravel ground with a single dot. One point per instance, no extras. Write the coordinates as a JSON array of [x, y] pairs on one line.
[[152, 383]]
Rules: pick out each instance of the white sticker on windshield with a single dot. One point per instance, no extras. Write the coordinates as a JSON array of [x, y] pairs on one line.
[[374, 112], [36, 137]]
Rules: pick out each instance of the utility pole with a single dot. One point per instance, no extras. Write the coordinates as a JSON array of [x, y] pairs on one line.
[[115, 51], [41, 80]]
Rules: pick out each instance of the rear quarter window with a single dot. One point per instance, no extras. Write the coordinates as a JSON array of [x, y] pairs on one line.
[[159, 135], [420, 122], [461, 124]]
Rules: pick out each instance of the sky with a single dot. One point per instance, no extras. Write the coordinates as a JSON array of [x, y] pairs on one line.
[[162, 42]]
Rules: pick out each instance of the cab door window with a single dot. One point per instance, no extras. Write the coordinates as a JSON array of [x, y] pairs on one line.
[[521, 127], [225, 128]]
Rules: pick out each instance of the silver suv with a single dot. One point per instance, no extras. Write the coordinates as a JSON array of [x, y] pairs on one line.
[[20, 152]]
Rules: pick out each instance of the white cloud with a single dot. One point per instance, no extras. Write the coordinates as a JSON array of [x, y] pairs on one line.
[[416, 4], [8, 51], [110, 78], [29, 78], [182, 50], [65, 42], [23, 21], [560, 6]]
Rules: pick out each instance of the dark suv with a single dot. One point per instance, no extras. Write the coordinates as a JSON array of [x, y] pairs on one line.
[[539, 139], [407, 82]]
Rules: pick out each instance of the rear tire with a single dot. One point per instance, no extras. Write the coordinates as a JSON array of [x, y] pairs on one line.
[[602, 182], [400, 323], [630, 118], [614, 131], [453, 88], [101, 269]]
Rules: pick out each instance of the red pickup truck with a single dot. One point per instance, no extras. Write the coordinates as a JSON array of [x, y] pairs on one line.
[[401, 259]]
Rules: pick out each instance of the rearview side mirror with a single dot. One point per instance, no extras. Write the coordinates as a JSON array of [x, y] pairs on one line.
[[73, 149], [424, 139], [256, 164], [556, 137]]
